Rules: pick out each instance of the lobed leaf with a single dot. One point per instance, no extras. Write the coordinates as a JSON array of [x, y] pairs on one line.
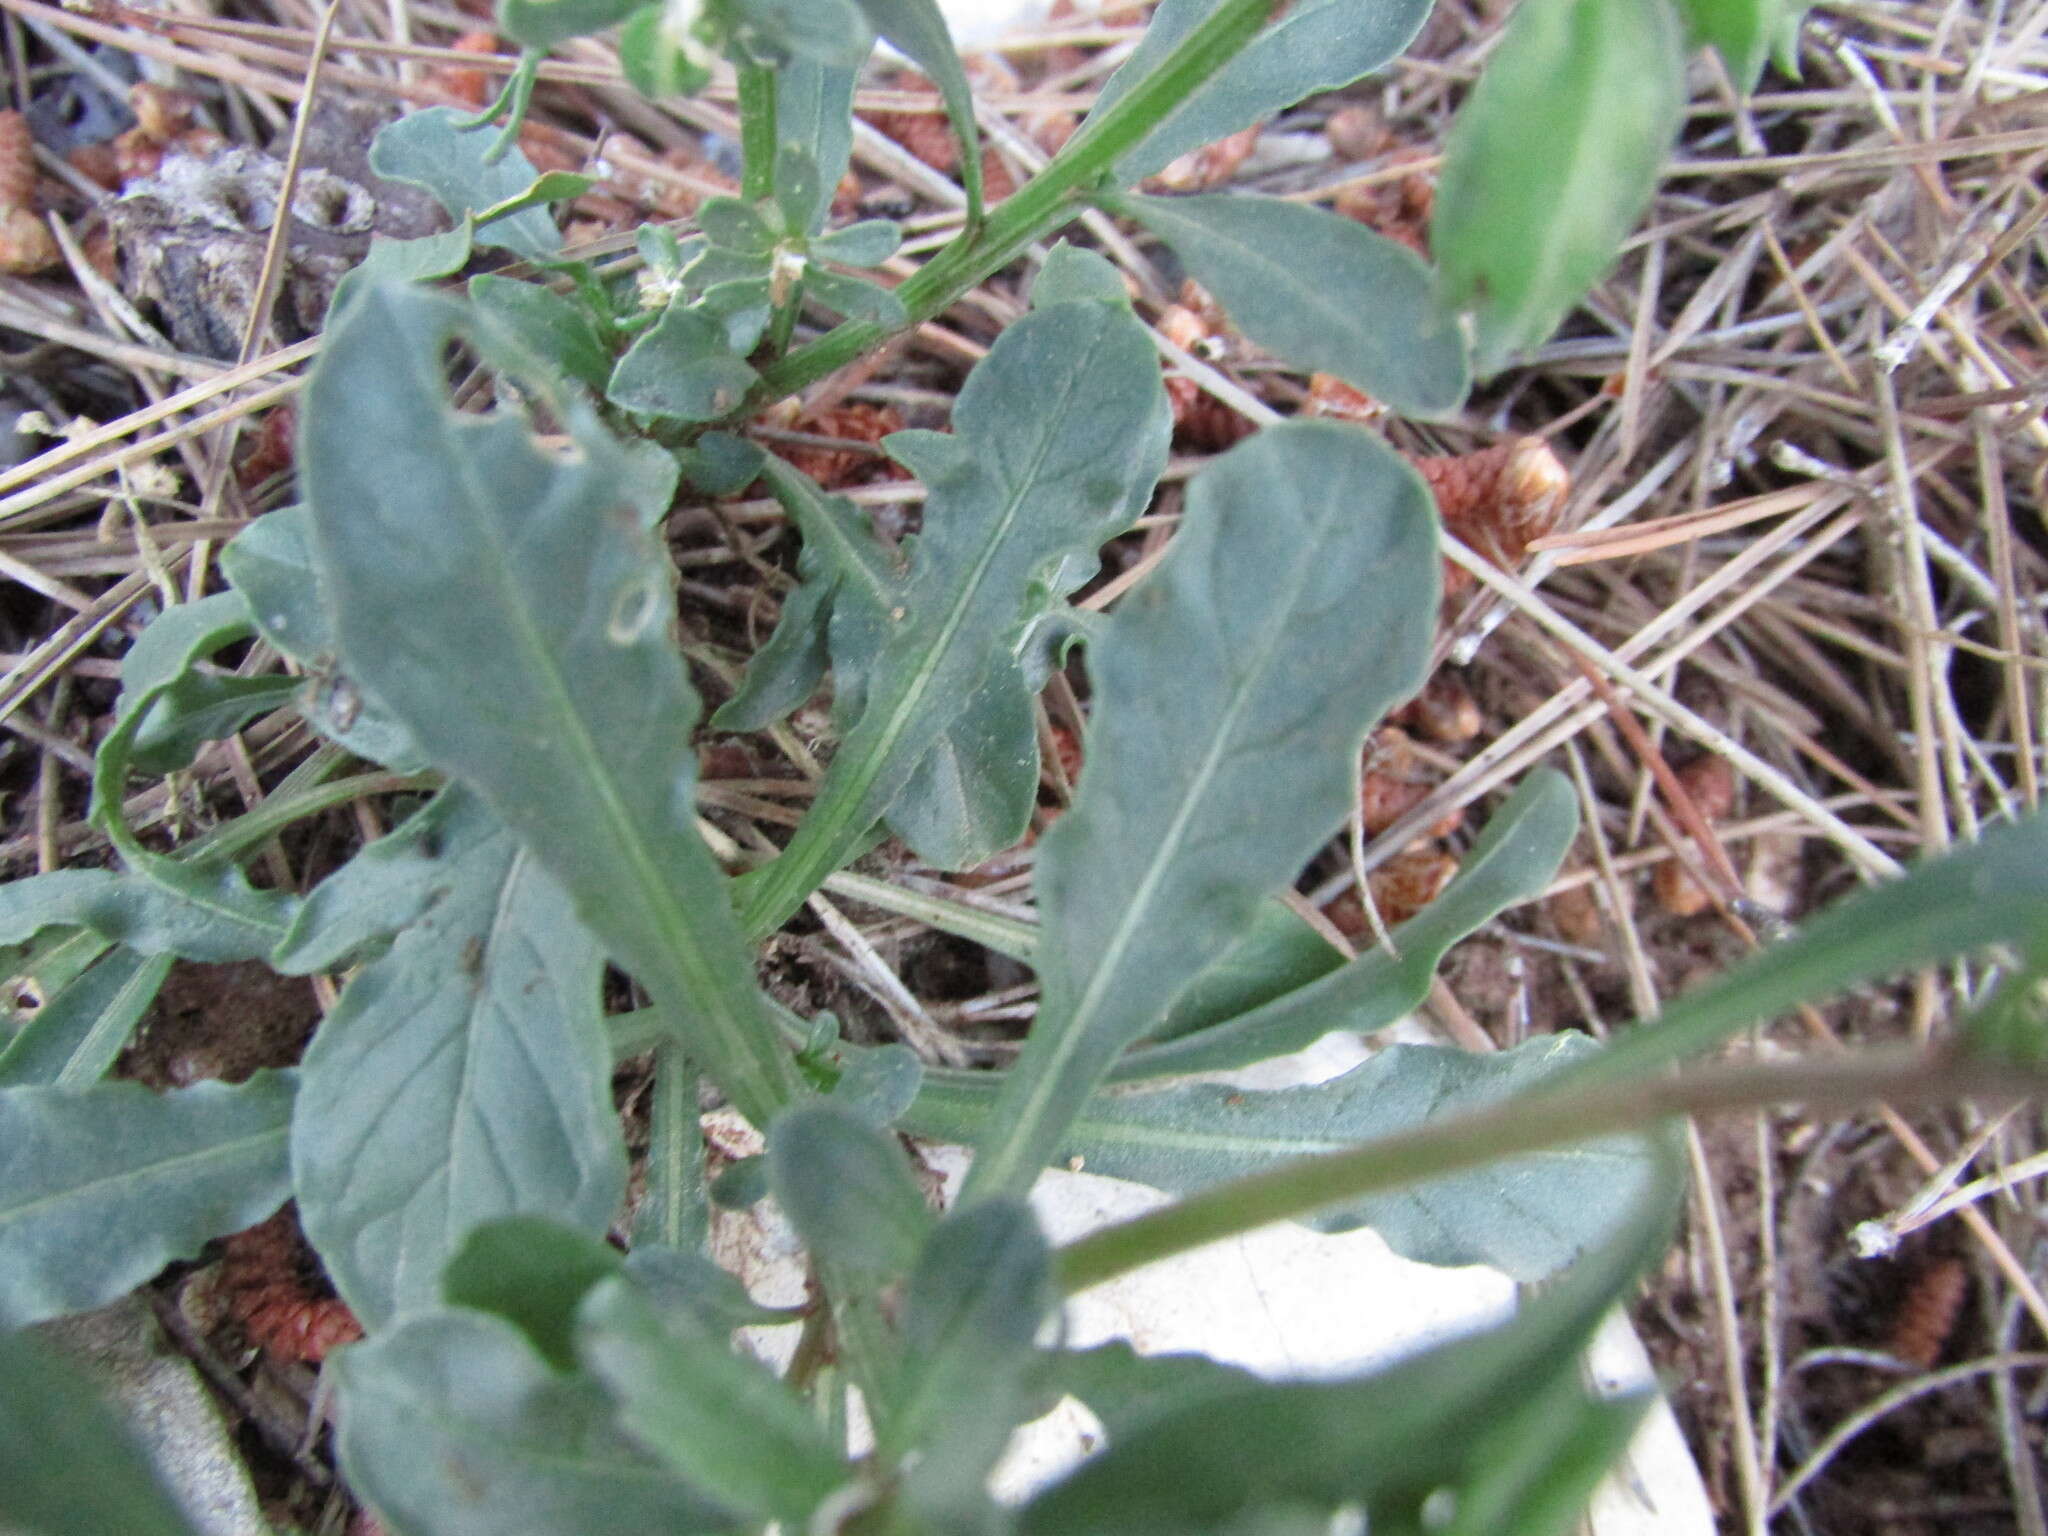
[[463, 1077], [1551, 161], [107, 1184], [452, 1424], [1319, 290], [1233, 692], [1058, 438], [1315, 45], [511, 606]]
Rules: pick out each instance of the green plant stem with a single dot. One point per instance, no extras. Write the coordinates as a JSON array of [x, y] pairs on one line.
[[757, 132], [1529, 1123], [1049, 200]]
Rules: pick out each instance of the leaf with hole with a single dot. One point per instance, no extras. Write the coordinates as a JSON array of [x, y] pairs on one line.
[[462, 1077], [109, 1183], [509, 602]]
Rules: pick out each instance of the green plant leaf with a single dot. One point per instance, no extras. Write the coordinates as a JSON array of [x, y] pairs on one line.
[[1317, 45], [732, 224], [191, 707], [855, 297], [868, 243], [720, 1419], [1512, 861], [848, 1190], [683, 1280], [549, 324], [1059, 436], [655, 64], [432, 151], [814, 111], [107, 1184], [682, 370], [76, 1035], [385, 887], [838, 547], [1127, 1390], [1551, 161], [1386, 1441], [1320, 290], [463, 1076], [1536, 1472], [831, 33], [1233, 692], [1529, 1216], [271, 564], [533, 1272], [453, 1425], [1279, 952], [790, 664], [972, 1309], [549, 187], [917, 30], [545, 23], [1741, 31], [192, 911], [972, 794], [66, 1463], [512, 607]]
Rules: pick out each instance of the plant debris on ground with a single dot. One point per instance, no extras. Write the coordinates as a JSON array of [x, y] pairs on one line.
[[1771, 504]]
